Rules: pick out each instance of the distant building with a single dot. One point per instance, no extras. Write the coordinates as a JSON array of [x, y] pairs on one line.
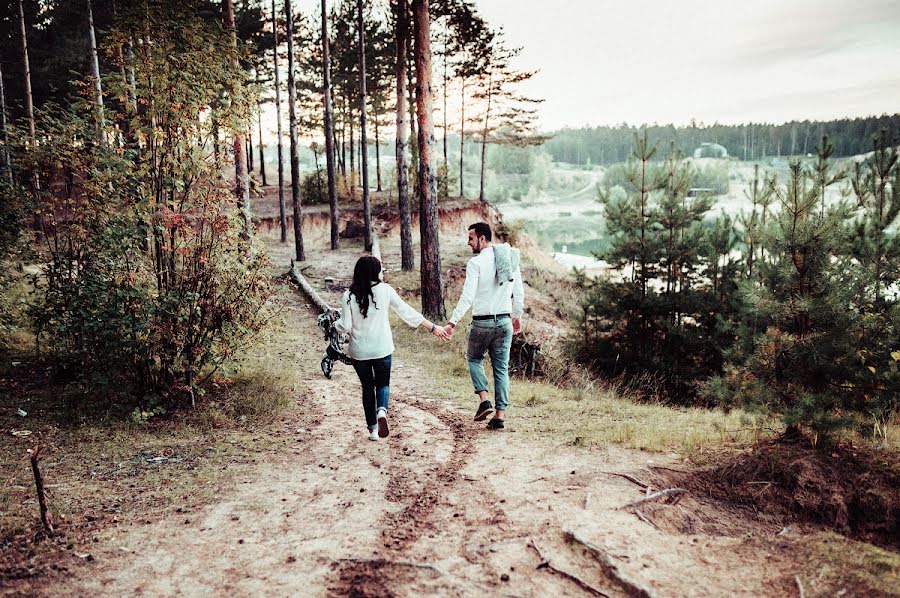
[[710, 150]]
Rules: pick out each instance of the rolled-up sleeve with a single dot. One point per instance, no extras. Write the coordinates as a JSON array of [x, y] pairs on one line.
[[345, 323], [407, 313], [468, 292], [518, 295]]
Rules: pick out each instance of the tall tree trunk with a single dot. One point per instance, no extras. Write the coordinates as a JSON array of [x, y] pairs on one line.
[[329, 132], [413, 134], [432, 286], [318, 172], [351, 146], [29, 112], [7, 161], [262, 154], [407, 258], [344, 140], [95, 69], [462, 136], [242, 182], [363, 154], [295, 157], [250, 149], [377, 151], [487, 116], [282, 212], [444, 93]]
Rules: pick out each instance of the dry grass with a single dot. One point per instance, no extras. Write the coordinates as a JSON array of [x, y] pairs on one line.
[[104, 471], [586, 414], [837, 566]]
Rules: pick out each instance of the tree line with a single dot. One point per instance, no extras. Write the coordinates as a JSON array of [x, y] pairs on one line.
[[129, 164], [791, 308], [752, 141]]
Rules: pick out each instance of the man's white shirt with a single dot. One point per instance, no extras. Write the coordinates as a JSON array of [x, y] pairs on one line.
[[483, 293]]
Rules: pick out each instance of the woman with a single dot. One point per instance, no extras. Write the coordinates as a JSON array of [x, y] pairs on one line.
[[364, 316]]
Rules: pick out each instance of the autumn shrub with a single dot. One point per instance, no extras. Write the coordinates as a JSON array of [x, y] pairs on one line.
[[150, 279]]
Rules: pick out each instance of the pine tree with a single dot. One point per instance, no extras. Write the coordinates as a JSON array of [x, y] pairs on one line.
[[876, 183], [328, 124], [401, 27], [432, 284], [798, 366], [292, 116]]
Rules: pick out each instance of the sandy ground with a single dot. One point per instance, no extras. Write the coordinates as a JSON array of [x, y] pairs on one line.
[[442, 506]]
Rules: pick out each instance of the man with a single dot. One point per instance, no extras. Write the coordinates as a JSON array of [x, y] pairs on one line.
[[494, 291]]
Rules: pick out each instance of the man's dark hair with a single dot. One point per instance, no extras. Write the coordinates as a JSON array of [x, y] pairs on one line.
[[482, 229]]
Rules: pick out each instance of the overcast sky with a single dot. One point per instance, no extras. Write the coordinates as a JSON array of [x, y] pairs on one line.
[[606, 61]]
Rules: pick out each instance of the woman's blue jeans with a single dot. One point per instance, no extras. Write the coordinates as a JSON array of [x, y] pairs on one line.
[[375, 377], [493, 337]]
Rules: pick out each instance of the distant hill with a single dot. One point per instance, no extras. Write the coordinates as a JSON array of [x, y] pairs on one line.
[[752, 141]]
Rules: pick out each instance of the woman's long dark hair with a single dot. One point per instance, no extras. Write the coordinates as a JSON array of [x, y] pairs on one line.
[[364, 275]]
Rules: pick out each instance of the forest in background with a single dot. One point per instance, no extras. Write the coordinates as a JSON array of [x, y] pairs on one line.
[[604, 145]]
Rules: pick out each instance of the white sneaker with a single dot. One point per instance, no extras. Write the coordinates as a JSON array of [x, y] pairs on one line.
[[373, 434], [383, 429]]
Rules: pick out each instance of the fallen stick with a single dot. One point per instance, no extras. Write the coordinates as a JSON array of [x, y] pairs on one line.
[[642, 517], [655, 496], [800, 586], [46, 516], [383, 562], [666, 468], [628, 477], [307, 288], [611, 568], [545, 564], [587, 500]]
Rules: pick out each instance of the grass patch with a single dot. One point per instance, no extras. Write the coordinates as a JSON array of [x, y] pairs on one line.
[[836, 566], [584, 414]]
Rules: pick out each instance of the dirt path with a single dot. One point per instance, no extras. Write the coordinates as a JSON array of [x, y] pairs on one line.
[[442, 507]]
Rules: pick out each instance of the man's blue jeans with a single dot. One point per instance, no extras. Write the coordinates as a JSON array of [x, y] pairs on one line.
[[375, 377], [493, 337]]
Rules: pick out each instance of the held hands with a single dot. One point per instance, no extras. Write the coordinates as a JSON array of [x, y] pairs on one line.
[[443, 332]]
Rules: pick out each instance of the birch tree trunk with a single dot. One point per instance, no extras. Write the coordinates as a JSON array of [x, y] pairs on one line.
[[295, 158], [242, 183], [407, 258], [282, 212], [432, 286], [29, 112], [329, 132], [95, 69], [363, 154]]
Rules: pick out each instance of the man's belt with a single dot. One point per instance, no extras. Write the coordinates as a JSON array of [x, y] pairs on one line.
[[493, 317]]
